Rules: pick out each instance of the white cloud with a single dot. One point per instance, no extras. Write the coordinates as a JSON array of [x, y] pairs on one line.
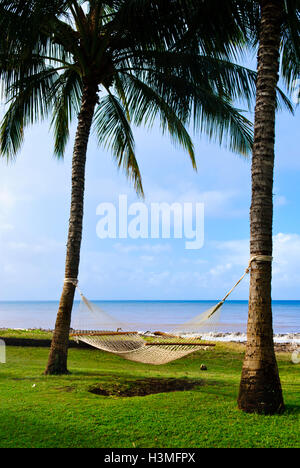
[[286, 261], [6, 227], [287, 255], [220, 269], [156, 279], [217, 203], [30, 269], [286, 252], [280, 200], [234, 252], [147, 258], [7, 200]]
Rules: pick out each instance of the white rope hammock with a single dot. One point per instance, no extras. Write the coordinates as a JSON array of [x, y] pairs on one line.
[[137, 347], [134, 347]]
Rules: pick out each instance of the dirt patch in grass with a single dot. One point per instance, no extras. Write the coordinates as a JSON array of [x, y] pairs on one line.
[[144, 387]]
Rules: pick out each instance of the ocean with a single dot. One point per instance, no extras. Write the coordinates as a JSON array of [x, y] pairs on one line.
[[161, 315]]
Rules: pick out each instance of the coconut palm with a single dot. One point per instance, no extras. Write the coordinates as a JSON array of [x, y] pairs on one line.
[[112, 64], [276, 28]]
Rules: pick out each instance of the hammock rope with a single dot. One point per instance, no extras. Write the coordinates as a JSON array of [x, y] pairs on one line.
[[134, 346]]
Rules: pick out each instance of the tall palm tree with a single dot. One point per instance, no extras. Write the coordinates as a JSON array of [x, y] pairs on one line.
[[278, 26], [113, 63]]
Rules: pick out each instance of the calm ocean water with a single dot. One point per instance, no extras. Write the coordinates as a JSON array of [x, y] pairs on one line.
[[159, 314]]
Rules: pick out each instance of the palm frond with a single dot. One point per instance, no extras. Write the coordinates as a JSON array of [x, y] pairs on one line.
[[145, 104], [290, 44], [221, 121], [29, 103], [236, 81], [114, 132], [66, 97]]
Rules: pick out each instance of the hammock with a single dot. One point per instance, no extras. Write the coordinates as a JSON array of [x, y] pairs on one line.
[[161, 348], [133, 346]]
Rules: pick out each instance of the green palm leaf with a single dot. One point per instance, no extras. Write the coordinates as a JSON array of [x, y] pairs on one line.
[[29, 103], [114, 132], [145, 105], [66, 96]]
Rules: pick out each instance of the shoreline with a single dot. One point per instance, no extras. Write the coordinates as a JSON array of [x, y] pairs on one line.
[[239, 337], [283, 342]]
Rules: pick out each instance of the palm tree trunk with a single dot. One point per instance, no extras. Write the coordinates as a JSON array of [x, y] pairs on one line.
[[260, 388], [57, 363]]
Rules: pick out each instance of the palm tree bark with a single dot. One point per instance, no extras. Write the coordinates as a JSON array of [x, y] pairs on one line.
[[260, 388], [57, 363]]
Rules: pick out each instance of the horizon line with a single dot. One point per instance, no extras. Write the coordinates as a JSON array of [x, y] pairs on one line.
[[145, 300]]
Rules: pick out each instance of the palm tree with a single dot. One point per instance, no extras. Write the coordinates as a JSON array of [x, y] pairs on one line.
[[278, 24], [114, 63]]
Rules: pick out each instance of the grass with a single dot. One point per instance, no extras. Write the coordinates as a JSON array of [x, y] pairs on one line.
[[45, 411], [35, 333]]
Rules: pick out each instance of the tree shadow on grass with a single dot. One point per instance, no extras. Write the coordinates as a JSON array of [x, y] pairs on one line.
[[292, 409]]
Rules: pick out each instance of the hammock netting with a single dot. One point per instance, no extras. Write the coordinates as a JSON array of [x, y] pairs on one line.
[[97, 328]]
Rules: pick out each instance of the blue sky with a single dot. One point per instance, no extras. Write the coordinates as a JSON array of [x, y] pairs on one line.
[[34, 211]]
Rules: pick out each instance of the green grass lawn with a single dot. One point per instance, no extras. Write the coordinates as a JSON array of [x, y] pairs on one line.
[[45, 411]]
